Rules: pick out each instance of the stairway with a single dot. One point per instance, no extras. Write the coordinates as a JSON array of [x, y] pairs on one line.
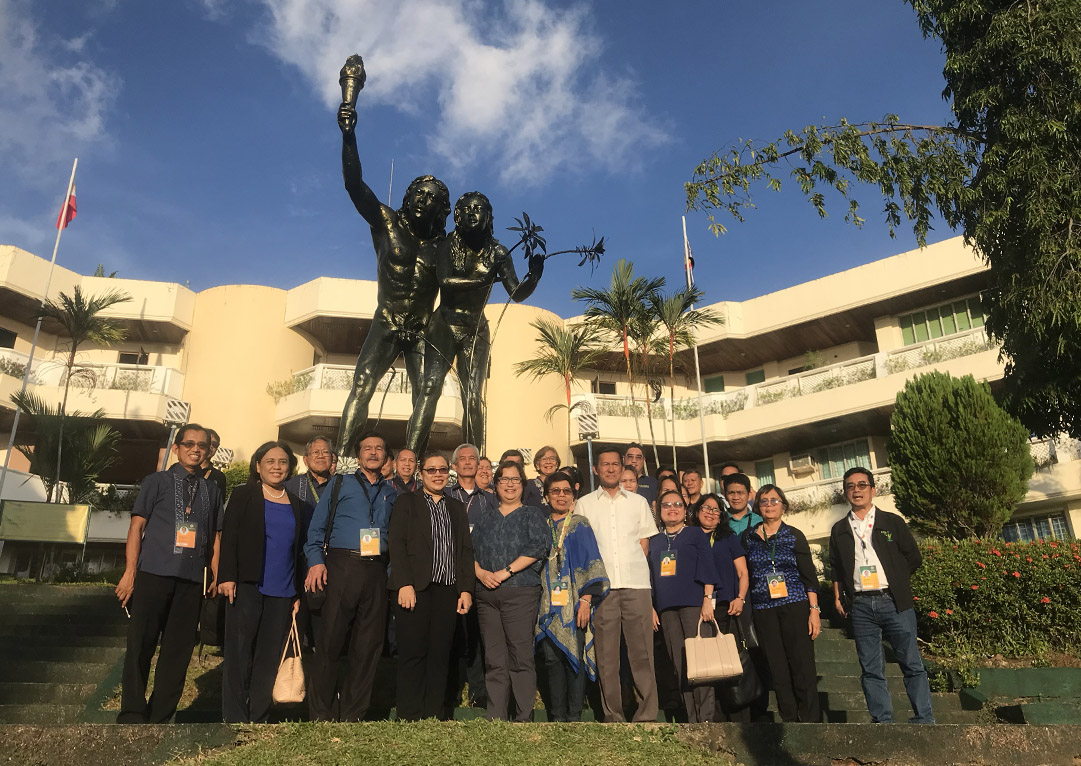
[[58, 644]]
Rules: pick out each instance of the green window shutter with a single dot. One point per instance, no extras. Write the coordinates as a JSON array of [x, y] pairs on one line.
[[908, 335], [713, 384], [934, 325], [763, 471], [919, 322], [960, 312], [976, 312], [949, 323], [755, 376], [822, 458]]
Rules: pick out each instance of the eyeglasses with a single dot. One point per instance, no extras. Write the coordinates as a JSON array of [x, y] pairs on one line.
[[674, 504], [857, 485], [609, 465], [215, 445], [548, 458], [193, 445], [440, 471], [510, 480], [319, 453], [711, 511], [561, 491], [770, 501]]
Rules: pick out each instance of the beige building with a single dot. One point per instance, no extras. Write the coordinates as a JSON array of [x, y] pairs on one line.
[[800, 383]]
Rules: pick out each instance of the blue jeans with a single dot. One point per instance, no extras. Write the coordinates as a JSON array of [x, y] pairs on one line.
[[872, 618]]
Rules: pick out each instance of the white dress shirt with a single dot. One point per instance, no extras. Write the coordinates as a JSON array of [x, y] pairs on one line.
[[865, 552], [620, 523]]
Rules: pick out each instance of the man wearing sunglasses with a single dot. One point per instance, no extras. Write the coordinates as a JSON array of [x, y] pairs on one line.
[[873, 556], [171, 565]]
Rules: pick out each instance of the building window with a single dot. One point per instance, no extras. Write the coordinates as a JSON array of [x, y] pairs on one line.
[[1051, 527], [947, 319], [132, 357], [755, 376], [834, 460], [7, 338], [763, 472], [604, 387], [713, 384]]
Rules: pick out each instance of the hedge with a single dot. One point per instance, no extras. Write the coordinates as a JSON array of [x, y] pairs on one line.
[[994, 597]]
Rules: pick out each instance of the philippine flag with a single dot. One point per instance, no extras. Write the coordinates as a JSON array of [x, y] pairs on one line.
[[67, 213]]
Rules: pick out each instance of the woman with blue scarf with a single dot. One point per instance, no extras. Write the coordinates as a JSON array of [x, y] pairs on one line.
[[574, 581]]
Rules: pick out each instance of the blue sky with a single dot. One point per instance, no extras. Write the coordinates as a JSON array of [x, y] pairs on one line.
[[209, 153]]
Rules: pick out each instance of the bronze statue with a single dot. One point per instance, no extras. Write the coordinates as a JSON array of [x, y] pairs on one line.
[[406, 242], [468, 263]]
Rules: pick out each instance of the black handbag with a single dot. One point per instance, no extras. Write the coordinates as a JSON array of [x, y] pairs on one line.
[[738, 693], [314, 598]]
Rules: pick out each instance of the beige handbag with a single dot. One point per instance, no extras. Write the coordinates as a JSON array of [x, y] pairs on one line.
[[289, 684], [711, 659]]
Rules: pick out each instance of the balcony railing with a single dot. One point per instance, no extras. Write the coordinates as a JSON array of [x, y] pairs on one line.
[[102, 377], [838, 375], [339, 377]]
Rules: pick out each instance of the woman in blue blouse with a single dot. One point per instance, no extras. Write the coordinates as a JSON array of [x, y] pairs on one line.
[[509, 543], [683, 576], [784, 594], [261, 572], [730, 595], [573, 582]]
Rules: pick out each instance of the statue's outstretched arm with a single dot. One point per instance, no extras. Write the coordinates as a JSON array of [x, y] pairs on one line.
[[519, 290], [364, 199]]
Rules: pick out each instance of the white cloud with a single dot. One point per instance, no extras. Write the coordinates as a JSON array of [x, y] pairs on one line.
[[53, 102], [515, 83]]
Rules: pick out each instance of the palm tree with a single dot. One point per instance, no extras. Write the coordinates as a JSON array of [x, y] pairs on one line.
[[564, 352], [89, 447], [616, 308], [80, 322], [680, 320]]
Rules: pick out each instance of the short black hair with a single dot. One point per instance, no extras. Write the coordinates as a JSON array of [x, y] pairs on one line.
[[555, 476], [371, 435], [737, 478], [858, 469], [663, 469], [512, 453], [428, 455], [509, 464], [729, 464], [694, 471], [604, 450], [212, 435], [180, 432]]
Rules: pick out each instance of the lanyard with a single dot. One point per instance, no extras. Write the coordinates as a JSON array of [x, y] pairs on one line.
[[371, 508], [673, 537], [190, 488], [314, 488], [856, 524], [557, 542], [772, 547]]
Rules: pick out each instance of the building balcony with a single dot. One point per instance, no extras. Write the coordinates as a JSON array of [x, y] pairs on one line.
[[122, 391], [334, 314], [312, 403], [852, 398]]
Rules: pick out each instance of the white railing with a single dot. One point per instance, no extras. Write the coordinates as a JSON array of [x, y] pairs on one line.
[[339, 377], [939, 350], [151, 379], [813, 381]]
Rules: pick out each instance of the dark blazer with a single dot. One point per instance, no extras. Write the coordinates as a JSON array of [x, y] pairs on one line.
[[894, 546], [243, 536], [410, 543]]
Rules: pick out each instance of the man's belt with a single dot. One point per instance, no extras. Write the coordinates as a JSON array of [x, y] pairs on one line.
[[870, 593], [355, 554]]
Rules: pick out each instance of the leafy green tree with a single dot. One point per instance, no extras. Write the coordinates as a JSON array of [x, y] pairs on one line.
[[960, 463], [616, 308], [1006, 170], [680, 321], [564, 352]]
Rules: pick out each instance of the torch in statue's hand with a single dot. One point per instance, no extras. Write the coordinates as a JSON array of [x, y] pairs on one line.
[[351, 78]]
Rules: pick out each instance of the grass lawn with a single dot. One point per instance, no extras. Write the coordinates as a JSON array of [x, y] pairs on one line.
[[467, 743]]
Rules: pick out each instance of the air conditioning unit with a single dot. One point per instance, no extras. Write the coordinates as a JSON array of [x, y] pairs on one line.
[[801, 465]]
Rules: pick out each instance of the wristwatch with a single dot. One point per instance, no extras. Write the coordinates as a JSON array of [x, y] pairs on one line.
[[816, 607], [510, 571]]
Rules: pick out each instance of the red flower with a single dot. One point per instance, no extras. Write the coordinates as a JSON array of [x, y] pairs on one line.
[[1045, 600], [915, 598], [1028, 559], [949, 611], [981, 565], [1016, 574], [977, 587], [933, 614], [1065, 566], [1054, 545], [996, 551], [974, 587], [1045, 555]]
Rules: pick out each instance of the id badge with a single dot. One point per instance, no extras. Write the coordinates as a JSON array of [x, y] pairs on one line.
[[369, 542], [777, 587], [869, 578], [668, 564], [185, 535], [561, 592]]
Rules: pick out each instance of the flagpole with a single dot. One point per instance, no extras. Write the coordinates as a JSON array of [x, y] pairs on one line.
[[697, 365], [37, 331]]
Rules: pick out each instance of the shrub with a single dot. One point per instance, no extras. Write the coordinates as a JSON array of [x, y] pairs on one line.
[[235, 475], [994, 597], [280, 389], [960, 462], [11, 367]]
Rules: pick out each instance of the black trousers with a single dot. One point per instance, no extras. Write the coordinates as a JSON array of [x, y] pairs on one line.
[[166, 608], [566, 688], [790, 652], [256, 627], [355, 609], [425, 636]]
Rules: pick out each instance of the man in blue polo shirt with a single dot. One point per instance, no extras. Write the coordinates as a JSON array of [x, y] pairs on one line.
[[353, 570], [737, 491]]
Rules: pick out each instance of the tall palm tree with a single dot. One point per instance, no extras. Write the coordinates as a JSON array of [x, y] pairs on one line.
[[680, 321], [564, 352], [615, 310], [81, 322]]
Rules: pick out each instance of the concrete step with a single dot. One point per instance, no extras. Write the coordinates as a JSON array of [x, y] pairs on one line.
[[40, 714], [66, 616], [36, 652], [26, 693], [53, 594], [832, 668], [43, 671], [19, 627], [855, 701], [11, 643]]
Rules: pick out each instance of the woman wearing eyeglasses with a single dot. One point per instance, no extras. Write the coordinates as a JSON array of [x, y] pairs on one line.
[[683, 577], [784, 595], [572, 581], [509, 543], [730, 595], [431, 572], [546, 462]]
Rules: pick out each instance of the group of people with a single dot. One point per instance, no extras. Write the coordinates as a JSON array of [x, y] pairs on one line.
[[487, 576]]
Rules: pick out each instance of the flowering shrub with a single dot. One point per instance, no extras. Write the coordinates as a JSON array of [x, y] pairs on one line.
[[994, 597]]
